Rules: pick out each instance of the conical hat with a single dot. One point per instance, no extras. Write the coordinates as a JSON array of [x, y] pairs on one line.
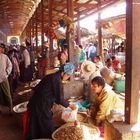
[[88, 68]]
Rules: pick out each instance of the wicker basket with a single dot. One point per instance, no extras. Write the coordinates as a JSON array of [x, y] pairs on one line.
[[94, 136]]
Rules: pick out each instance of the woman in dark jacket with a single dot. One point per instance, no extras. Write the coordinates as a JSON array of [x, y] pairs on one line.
[[46, 93]]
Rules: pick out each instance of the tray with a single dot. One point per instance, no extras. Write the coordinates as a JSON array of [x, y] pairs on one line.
[[21, 108], [88, 128]]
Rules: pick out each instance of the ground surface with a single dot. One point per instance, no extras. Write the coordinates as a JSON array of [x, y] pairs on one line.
[[11, 125]]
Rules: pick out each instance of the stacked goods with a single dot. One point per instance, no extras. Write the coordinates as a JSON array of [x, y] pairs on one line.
[[69, 115], [80, 132]]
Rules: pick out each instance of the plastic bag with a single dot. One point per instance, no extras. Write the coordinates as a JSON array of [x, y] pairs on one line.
[[69, 115]]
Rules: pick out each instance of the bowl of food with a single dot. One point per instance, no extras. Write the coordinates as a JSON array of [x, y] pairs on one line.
[[83, 131], [20, 108]]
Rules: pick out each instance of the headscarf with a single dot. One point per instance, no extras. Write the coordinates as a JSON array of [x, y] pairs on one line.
[[68, 68]]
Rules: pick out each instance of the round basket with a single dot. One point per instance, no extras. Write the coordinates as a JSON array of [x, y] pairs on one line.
[[20, 108], [81, 117], [91, 132]]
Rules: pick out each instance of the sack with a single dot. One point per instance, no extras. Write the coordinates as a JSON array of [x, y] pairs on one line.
[[119, 86], [69, 115]]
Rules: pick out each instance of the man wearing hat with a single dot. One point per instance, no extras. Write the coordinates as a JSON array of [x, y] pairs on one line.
[[5, 70], [89, 70]]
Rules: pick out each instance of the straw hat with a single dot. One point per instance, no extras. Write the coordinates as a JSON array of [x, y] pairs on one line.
[[88, 68], [108, 75]]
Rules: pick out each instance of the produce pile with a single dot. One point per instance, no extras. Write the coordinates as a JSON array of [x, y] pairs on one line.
[[71, 132]]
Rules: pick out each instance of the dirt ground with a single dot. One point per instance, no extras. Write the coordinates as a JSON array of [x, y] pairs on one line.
[[10, 129], [11, 124]]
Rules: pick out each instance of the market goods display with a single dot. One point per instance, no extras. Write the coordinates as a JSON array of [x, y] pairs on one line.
[[69, 115], [81, 132]]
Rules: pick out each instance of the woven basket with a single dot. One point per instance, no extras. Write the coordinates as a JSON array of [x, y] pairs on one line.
[[94, 136]]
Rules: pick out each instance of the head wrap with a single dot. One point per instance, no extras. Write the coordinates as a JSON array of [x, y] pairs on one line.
[[68, 68]]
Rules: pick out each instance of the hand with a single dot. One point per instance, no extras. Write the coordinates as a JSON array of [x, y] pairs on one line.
[[73, 106], [88, 112]]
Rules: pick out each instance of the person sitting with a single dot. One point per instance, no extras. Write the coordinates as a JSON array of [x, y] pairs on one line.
[[109, 75], [116, 64], [46, 93], [108, 72], [98, 62], [105, 100], [109, 64]]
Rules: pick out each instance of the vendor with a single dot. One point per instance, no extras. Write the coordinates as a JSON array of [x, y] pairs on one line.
[[105, 100], [46, 93]]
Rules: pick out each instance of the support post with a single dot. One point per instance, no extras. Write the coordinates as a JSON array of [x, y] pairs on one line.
[[132, 61]]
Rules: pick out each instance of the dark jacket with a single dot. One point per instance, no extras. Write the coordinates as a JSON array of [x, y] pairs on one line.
[[46, 93]]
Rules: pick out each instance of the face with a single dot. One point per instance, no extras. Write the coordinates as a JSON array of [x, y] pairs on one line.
[[62, 59], [96, 88], [109, 63], [65, 76], [1, 50], [96, 59]]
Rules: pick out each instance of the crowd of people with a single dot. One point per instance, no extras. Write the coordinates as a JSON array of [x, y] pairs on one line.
[[18, 65]]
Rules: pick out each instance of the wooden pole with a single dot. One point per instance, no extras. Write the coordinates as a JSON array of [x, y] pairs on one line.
[[42, 23], [36, 25], [50, 60], [30, 30], [99, 47], [132, 61], [70, 35], [33, 32], [78, 31]]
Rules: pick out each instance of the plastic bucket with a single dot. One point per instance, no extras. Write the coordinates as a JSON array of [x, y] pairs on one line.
[[119, 86]]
